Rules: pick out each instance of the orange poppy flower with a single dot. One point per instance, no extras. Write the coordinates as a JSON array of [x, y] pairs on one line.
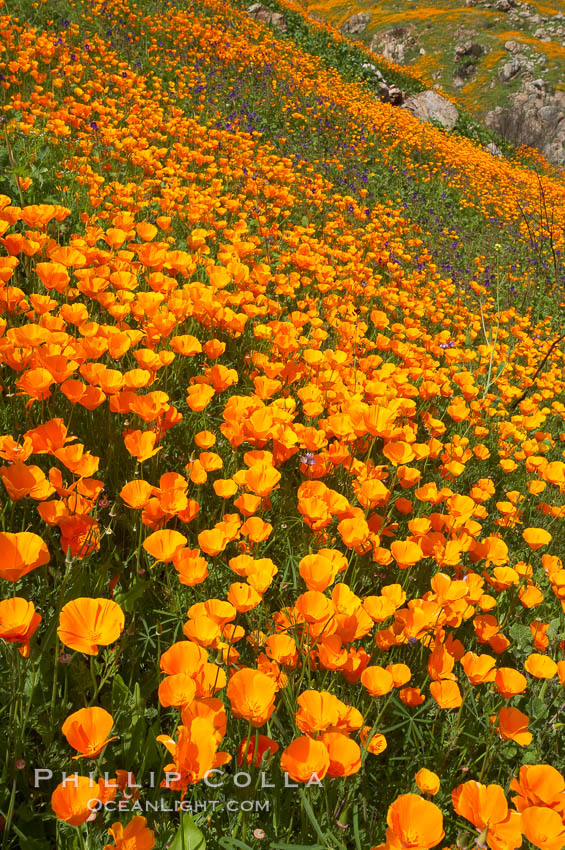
[[406, 553], [513, 726], [543, 828], [540, 666], [479, 668], [509, 682], [191, 568], [183, 657], [374, 742], [315, 607], [427, 781], [20, 553], [256, 529], [414, 823], [136, 493], [305, 760], [446, 693], [74, 800], [141, 444], [486, 808], [135, 835], [210, 708], [178, 690], [411, 696], [536, 537], [163, 545], [199, 396], [539, 785], [344, 753], [212, 541], [53, 275], [86, 731], [354, 532], [202, 630], [318, 711], [377, 680], [256, 747], [21, 480], [194, 753], [85, 623], [243, 597], [318, 571], [186, 345], [252, 696], [282, 649], [18, 622]]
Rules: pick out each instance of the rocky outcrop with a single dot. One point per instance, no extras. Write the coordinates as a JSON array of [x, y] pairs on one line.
[[431, 106], [535, 118], [393, 44], [468, 49], [505, 5], [356, 24], [510, 69], [261, 13], [387, 93]]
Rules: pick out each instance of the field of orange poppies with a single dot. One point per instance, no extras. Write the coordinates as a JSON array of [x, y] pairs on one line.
[[282, 448]]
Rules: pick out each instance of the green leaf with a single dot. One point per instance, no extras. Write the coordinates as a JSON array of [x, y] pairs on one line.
[[521, 635], [188, 836], [280, 845], [231, 843], [317, 828], [120, 692], [356, 827], [538, 708], [127, 599]]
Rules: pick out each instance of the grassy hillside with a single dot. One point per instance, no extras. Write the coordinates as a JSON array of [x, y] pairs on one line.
[[283, 387], [537, 29]]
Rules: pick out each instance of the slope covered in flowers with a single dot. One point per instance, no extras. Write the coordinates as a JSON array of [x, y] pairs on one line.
[[282, 451]]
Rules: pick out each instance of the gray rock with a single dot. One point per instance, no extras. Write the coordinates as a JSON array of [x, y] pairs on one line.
[[511, 46], [467, 49], [393, 44], [356, 24], [535, 118], [431, 106], [391, 94], [368, 66], [510, 69], [261, 13], [494, 149]]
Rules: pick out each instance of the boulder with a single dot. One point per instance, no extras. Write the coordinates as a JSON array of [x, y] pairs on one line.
[[391, 94], [262, 13], [467, 49], [431, 106], [510, 69], [493, 149], [373, 71], [393, 44], [356, 24], [535, 118]]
